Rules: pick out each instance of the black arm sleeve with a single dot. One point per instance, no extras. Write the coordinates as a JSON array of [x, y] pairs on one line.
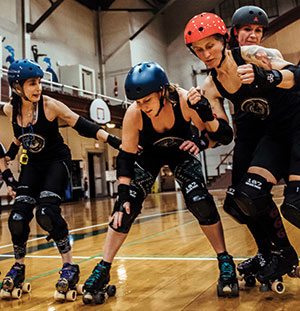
[[2, 151], [12, 151], [125, 164], [114, 141], [86, 128], [223, 134]]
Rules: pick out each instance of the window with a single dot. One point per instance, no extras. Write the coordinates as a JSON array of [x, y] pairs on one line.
[[271, 7], [227, 8]]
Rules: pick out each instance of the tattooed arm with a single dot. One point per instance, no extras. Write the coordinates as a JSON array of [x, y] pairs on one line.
[[261, 62]]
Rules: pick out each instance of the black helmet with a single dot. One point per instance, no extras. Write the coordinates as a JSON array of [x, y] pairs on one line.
[[251, 14], [143, 79]]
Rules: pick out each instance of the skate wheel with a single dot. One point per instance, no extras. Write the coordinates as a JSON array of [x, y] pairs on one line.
[[250, 281], [5, 294], [99, 298], [278, 287], [264, 287], [59, 296], [111, 290], [16, 293], [220, 291], [87, 298], [26, 288], [71, 295], [79, 289], [235, 291]]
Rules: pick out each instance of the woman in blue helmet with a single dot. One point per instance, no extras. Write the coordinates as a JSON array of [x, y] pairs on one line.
[[258, 81], [159, 120], [45, 169]]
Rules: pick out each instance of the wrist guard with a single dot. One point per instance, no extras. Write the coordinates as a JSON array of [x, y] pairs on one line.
[[125, 164], [296, 71], [9, 179], [114, 141], [203, 109], [86, 128], [266, 78], [223, 135], [2, 151], [123, 196], [12, 151], [202, 141]]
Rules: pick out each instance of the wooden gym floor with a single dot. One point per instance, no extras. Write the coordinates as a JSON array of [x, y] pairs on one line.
[[166, 262]]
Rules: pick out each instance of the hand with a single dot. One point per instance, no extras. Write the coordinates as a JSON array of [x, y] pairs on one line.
[[117, 217], [246, 73], [11, 192], [189, 146], [194, 95]]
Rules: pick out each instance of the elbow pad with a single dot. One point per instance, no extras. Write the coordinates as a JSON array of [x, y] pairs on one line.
[[86, 128], [266, 78], [125, 164], [12, 151], [223, 135]]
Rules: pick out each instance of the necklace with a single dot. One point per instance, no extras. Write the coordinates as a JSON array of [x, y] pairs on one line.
[[30, 114]]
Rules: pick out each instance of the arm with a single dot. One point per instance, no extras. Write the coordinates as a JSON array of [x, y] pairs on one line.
[[83, 126], [265, 68], [214, 117]]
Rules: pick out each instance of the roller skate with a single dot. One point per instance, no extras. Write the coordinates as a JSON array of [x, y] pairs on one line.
[[250, 267], [13, 283], [66, 287], [227, 283], [283, 261], [96, 289]]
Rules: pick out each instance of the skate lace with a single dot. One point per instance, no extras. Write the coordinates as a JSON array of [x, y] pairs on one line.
[[96, 275], [13, 272], [226, 267]]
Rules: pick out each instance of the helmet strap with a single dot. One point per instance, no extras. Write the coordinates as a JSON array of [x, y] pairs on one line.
[[161, 104], [18, 89], [223, 53]]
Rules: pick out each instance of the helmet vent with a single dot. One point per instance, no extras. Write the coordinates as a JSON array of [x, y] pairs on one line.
[[201, 28]]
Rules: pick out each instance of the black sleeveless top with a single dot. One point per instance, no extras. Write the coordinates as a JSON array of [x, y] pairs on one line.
[[276, 106], [42, 140], [172, 138]]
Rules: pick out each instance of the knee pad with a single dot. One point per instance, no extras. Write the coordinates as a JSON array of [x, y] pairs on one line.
[[143, 180], [253, 195], [231, 207], [19, 219], [48, 216], [290, 207], [135, 208], [200, 203]]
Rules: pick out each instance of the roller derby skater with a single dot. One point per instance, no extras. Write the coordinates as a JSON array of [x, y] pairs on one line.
[[13, 285], [96, 289], [158, 121], [45, 167]]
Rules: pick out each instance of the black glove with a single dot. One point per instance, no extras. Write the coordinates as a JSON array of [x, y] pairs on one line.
[[114, 141], [9, 179], [123, 196], [203, 109], [266, 78], [12, 151], [201, 142]]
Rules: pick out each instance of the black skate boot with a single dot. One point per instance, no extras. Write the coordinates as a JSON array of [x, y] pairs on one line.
[[96, 288], [281, 262], [227, 283], [250, 267], [13, 283], [66, 287]]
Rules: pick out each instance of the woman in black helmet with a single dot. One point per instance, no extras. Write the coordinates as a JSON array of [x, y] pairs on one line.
[[259, 81], [45, 163], [159, 120]]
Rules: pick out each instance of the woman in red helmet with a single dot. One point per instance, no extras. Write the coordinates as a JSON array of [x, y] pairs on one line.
[[159, 120], [253, 78]]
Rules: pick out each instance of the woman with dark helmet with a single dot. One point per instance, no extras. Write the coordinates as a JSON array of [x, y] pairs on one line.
[[159, 120], [255, 80], [45, 164]]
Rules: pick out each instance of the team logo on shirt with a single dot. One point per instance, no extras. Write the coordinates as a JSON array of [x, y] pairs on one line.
[[258, 106], [32, 142], [168, 142]]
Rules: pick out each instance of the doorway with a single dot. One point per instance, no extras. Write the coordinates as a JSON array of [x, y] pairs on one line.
[[97, 183]]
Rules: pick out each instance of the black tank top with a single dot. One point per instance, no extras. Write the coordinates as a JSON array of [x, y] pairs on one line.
[[42, 140], [172, 138], [276, 106]]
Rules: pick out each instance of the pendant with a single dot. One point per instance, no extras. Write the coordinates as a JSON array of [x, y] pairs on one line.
[[24, 157]]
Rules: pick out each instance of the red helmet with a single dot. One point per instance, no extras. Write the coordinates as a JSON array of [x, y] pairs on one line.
[[202, 26]]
